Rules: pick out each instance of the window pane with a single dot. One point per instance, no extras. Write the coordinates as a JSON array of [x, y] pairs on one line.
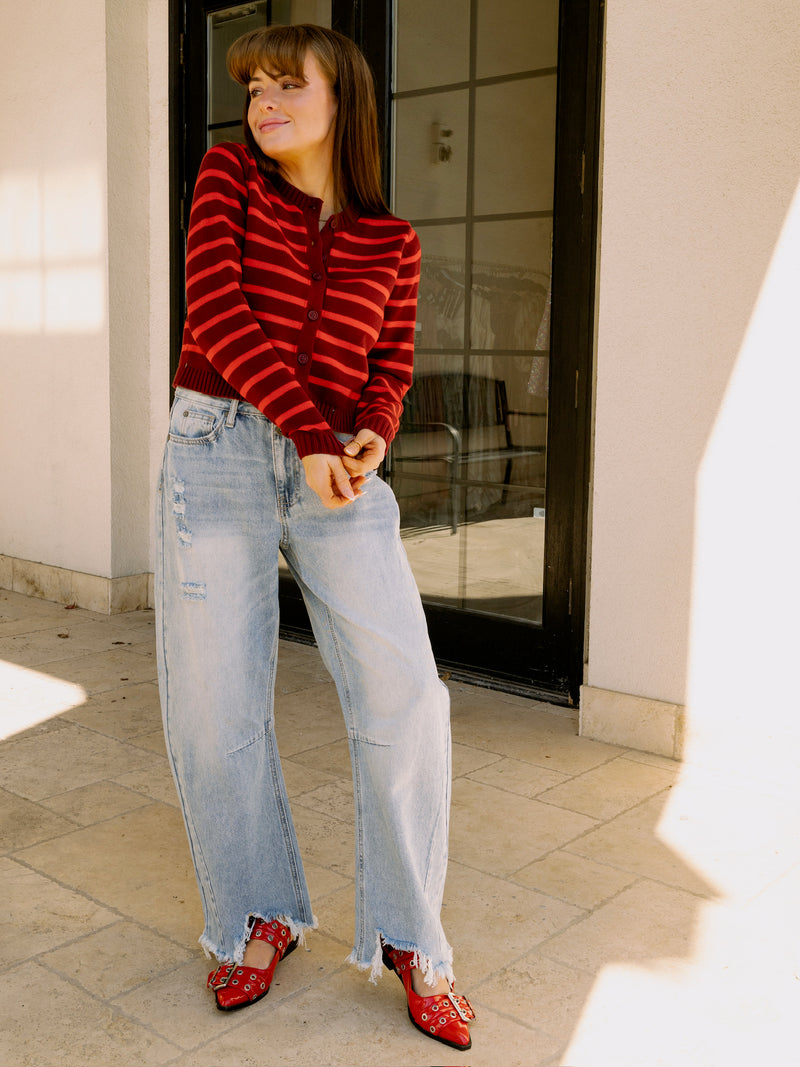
[[503, 560], [510, 284], [432, 43], [515, 126], [424, 187], [516, 35], [441, 307]]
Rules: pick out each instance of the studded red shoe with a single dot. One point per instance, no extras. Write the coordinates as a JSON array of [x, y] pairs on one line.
[[442, 1016], [236, 986]]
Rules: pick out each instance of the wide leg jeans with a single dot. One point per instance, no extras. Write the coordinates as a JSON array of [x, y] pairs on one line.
[[232, 496]]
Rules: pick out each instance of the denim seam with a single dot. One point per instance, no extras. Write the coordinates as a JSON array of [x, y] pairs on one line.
[[206, 891], [444, 814], [347, 707], [248, 744], [275, 773], [362, 740], [285, 817], [281, 505], [207, 439]]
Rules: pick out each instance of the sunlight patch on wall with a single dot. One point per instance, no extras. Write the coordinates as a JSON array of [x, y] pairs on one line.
[[741, 713], [52, 251]]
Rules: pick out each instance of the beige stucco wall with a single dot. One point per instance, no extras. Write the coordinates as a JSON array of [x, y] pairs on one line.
[[694, 569], [84, 280], [701, 160]]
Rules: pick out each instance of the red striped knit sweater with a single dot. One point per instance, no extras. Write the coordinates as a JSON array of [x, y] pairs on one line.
[[315, 329]]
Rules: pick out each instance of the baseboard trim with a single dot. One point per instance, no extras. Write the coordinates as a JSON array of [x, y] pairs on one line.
[[109, 596], [634, 722]]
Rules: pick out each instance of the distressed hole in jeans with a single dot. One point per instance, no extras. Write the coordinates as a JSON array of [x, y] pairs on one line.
[[179, 511], [193, 590]]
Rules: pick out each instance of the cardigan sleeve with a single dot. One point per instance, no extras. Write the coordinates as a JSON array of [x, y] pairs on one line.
[[391, 358], [220, 319]]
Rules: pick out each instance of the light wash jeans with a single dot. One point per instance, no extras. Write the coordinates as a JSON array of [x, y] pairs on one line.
[[232, 495]]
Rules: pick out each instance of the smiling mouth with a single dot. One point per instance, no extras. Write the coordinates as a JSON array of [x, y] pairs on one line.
[[271, 124]]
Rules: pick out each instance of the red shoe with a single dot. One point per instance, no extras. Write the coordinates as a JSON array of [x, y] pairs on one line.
[[443, 1016], [237, 986]]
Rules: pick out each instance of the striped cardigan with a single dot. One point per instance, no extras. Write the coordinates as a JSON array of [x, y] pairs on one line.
[[315, 329]]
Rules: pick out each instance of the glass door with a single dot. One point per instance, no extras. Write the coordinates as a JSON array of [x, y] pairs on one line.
[[488, 111], [474, 108], [493, 108]]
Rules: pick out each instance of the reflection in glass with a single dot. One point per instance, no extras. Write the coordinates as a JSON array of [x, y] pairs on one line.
[[442, 307], [469, 463], [424, 186], [510, 283], [463, 446], [493, 565]]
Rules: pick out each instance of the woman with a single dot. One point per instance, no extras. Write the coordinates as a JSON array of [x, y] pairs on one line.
[[297, 352]]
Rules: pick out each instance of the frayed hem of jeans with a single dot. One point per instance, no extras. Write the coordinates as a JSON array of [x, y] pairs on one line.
[[296, 930], [431, 972]]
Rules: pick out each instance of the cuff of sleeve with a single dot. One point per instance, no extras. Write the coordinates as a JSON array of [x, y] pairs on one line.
[[309, 443], [379, 424]]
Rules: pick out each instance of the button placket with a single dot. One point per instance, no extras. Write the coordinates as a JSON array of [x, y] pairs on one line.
[[316, 297]]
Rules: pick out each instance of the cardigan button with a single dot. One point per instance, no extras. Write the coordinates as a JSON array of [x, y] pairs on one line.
[[302, 357], [317, 276], [313, 315]]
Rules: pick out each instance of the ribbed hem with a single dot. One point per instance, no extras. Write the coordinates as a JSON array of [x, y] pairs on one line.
[[203, 380], [310, 443], [380, 425]]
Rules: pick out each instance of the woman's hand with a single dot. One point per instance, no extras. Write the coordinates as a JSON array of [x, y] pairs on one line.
[[329, 479], [364, 453]]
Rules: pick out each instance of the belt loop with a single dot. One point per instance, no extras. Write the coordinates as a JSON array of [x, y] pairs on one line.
[[231, 419]]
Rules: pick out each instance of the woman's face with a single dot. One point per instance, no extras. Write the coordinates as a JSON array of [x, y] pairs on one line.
[[292, 119]]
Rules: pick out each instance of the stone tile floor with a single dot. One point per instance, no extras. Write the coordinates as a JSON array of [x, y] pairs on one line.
[[583, 935]]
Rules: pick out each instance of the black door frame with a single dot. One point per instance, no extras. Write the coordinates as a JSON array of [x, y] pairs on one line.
[[544, 660]]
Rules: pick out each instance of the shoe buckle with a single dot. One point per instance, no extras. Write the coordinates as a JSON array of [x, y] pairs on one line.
[[219, 981], [466, 1015]]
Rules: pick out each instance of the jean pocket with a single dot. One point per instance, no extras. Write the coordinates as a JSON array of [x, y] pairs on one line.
[[191, 422]]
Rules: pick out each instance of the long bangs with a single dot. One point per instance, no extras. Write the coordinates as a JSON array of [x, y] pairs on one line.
[[275, 50], [282, 50]]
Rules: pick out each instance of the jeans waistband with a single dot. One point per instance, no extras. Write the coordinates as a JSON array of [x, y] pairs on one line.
[[233, 406], [221, 403], [236, 407]]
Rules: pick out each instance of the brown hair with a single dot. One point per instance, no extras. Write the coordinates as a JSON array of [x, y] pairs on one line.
[[356, 155]]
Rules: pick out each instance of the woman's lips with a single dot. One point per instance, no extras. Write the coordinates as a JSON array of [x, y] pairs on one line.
[[271, 124]]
